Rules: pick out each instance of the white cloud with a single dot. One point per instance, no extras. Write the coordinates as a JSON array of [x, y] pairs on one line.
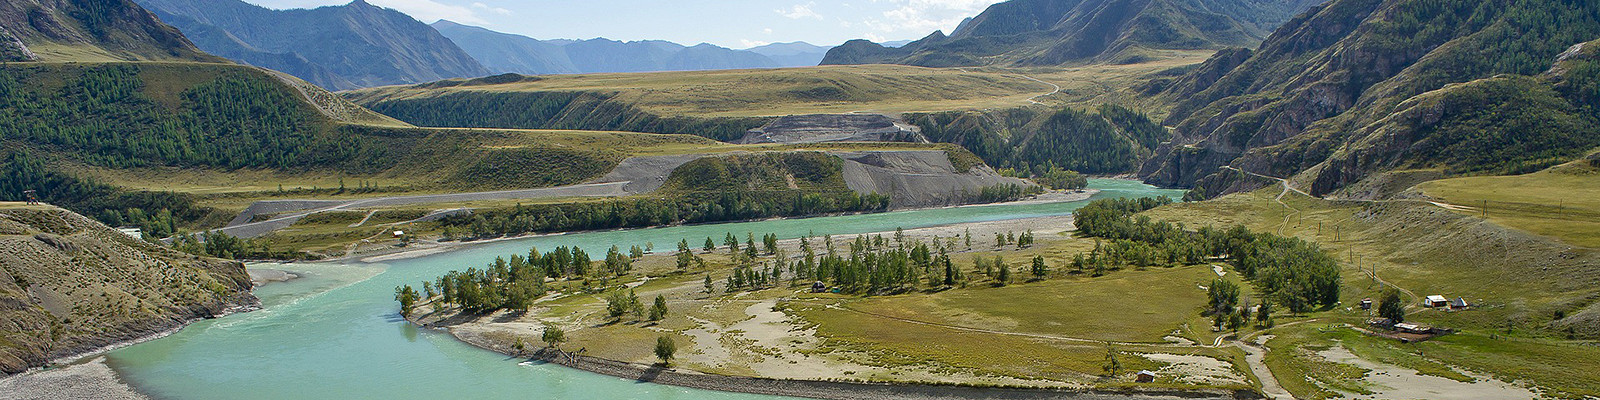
[[800, 11], [927, 15], [429, 11], [747, 43], [496, 10], [767, 31]]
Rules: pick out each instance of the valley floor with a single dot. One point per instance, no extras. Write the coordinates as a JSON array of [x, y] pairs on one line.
[[1063, 331]]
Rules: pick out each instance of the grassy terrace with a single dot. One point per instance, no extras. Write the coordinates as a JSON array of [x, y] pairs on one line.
[[1562, 203], [827, 89]]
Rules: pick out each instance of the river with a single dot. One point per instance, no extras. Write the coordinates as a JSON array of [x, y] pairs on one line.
[[335, 333]]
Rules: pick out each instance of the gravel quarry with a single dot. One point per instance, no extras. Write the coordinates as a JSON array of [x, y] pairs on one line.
[[823, 128]]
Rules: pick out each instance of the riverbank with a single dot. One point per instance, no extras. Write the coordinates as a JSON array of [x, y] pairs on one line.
[[423, 248], [823, 389], [92, 380], [86, 376]]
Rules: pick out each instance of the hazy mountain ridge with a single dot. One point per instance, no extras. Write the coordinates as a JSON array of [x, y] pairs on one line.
[[1054, 32], [338, 47], [511, 53], [1358, 87]]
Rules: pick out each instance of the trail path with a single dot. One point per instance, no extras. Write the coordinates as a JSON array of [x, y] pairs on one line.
[[1052, 92]]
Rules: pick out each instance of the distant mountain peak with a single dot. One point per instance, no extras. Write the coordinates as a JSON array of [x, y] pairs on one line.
[[1053, 32], [355, 45]]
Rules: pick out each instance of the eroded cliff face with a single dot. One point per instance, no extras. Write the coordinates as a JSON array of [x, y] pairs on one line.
[[916, 179], [70, 285]]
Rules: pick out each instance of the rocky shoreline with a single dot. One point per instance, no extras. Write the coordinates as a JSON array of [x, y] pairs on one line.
[[84, 374]]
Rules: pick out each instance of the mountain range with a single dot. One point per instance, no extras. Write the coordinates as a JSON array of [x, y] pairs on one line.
[[1354, 89], [336, 47], [510, 53], [1054, 32], [107, 30]]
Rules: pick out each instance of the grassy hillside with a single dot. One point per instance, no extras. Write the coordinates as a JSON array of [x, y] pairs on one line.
[[70, 285], [1351, 88], [152, 129]]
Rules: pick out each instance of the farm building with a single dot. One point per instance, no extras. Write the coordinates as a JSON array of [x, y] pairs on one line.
[[1459, 304], [1419, 329], [1436, 301], [1144, 377]]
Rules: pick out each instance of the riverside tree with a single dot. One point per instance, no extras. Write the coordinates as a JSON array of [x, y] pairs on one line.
[[665, 348], [553, 336], [408, 299]]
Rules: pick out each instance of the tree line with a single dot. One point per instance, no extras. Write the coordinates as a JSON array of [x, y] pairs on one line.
[[1290, 271], [687, 208]]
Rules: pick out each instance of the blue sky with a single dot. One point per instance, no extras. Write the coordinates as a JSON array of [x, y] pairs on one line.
[[730, 23]]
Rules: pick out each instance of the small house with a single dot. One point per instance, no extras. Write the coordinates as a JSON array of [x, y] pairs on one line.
[[1407, 327], [1366, 304], [1436, 301], [1459, 304], [1144, 377], [399, 234], [133, 232], [819, 287]]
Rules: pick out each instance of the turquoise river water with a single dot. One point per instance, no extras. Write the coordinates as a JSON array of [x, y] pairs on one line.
[[336, 333]]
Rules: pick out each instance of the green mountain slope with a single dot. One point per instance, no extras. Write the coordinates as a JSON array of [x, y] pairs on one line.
[[1054, 32], [88, 30], [338, 47], [1360, 86], [69, 285]]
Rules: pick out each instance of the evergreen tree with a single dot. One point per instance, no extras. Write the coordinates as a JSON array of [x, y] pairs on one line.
[[658, 311], [665, 348]]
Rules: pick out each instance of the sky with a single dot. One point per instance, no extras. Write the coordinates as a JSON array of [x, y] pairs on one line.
[[730, 23]]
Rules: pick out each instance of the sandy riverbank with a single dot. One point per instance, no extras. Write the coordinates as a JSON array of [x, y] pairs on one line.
[[829, 389]]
